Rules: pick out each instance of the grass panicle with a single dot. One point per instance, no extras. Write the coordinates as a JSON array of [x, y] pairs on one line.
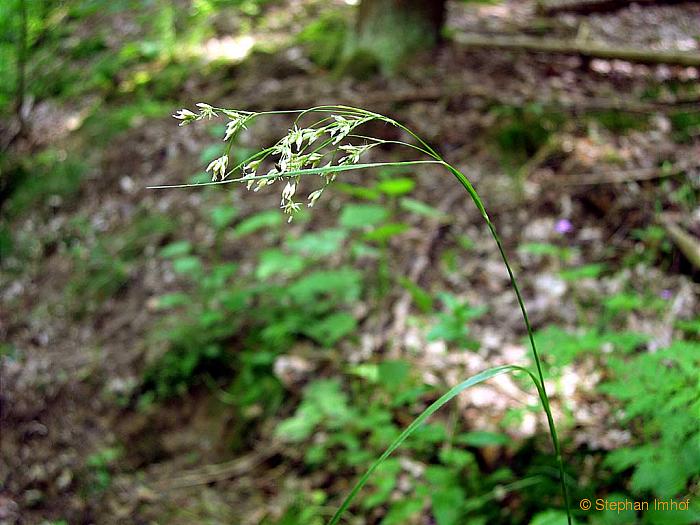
[[313, 150]]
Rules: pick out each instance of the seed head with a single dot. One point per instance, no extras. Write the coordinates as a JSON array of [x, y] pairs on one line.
[[205, 110], [186, 116], [218, 167]]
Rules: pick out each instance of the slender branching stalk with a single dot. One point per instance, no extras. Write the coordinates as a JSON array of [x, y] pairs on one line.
[[21, 64], [313, 150]]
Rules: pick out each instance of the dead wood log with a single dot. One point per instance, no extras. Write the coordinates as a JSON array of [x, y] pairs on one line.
[[688, 245], [586, 7], [490, 96], [586, 49], [620, 177], [215, 472]]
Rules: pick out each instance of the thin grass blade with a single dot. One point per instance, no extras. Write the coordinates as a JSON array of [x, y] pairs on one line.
[[453, 392]]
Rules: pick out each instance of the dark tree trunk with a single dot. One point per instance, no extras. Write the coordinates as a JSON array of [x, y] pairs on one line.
[[392, 30], [21, 65], [429, 15]]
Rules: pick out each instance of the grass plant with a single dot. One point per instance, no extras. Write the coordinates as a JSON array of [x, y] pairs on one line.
[[323, 142]]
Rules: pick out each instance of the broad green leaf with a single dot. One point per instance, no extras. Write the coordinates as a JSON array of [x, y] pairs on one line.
[[393, 373], [550, 517], [368, 371], [343, 285], [465, 242], [359, 192], [331, 329], [386, 232], [588, 271], [433, 433], [624, 302], [172, 300], [540, 248], [259, 221], [212, 151], [395, 187], [318, 244], [447, 505], [456, 457], [200, 178], [277, 263], [422, 299], [176, 249], [222, 216], [383, 483], [482, 439], [421, 208], [362, 215], [661, 516], [663, 477], [691, 326], [187, 265], [562, 347], [616, 517], [402, 511], [300, 426]]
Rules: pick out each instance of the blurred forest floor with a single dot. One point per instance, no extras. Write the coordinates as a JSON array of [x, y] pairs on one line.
[[583, 164]]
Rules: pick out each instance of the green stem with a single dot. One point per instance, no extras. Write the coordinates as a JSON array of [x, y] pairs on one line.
[[542, 390], [296, 173], [434, 407]]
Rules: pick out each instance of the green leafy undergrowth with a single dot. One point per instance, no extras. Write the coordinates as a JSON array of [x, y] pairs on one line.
[[453, 324], [286, 297], [658, 393], [28, 184], [655, 397], [99, 468], [686, 125], [519, 133], [102, 61], [620, 122], [563, 347], [103, 264], [344, 425], [326, 39]]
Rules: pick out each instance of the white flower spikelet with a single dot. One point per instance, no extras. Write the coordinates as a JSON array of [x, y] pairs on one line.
[[206, 111], [343, 126], [353, 153], [185, 116], [288, 205], [232, 127], [218, 168], [288, 191], [292, 154], [314, 196]]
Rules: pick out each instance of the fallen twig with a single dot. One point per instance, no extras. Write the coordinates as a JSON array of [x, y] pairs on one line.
[[579, 106], [618, 177], [687, 244], [216, 472], [585, 7], [572, 47]]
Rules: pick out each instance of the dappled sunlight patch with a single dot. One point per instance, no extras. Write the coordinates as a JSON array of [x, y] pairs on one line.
[[227, 48]]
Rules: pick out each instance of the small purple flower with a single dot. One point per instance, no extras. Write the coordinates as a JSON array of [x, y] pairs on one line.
[[563, 226], [666, 294]]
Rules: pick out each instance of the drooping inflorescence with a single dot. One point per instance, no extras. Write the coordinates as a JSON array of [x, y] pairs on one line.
[[302, 148], [311, 150]]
